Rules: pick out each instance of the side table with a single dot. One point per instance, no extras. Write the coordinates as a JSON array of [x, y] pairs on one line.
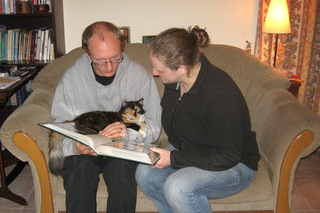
[[5, 94], [295, 85]]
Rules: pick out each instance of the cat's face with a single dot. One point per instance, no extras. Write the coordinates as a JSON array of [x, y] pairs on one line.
[[132, 111]]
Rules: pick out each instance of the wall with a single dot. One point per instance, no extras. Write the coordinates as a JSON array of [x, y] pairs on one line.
[[229, 22]]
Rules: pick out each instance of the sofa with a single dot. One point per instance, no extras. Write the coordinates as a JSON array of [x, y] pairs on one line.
[[286, 132]]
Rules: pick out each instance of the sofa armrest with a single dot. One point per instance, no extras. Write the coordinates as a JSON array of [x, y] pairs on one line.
[[286, 132], [30, 147], [297, 146], [25, 119]]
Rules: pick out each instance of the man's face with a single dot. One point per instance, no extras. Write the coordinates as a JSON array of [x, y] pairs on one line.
[[105, 55]]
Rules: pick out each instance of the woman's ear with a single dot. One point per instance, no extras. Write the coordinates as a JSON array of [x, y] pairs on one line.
[[183, 70]]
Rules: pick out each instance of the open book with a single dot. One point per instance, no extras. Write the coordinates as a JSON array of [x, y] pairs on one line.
[[105, 146]]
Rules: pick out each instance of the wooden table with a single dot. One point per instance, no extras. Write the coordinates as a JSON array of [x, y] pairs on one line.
[[5, 94], [295, 85]]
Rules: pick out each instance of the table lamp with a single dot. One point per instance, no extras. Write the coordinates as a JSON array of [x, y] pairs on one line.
[[277, 21]]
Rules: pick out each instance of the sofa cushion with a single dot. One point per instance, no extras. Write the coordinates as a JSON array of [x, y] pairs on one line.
[[261, 188]]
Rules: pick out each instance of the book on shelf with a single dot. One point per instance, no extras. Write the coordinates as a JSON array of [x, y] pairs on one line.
[[4, 74], [4, 41], [19, 44], [5, 82], [105, 146], [11, 43], [29, 49], [22, 71], [9, 6], [16, 35], [9, 69]]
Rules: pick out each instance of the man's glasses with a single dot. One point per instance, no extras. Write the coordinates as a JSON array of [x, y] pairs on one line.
[[106, 62]]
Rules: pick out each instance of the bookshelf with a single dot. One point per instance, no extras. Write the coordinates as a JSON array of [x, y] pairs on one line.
[[32, 21]]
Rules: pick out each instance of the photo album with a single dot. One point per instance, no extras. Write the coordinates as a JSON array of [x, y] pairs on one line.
[[105, 146]]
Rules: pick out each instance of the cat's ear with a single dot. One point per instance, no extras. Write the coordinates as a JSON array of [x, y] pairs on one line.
[[124, 103], [141, 101]]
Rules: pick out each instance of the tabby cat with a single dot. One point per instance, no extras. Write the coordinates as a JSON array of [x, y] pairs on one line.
[[131, 114]]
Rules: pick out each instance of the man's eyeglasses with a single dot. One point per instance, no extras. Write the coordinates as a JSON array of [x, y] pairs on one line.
[[106, 62]]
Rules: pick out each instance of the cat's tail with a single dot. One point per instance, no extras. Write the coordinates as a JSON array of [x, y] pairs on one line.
[[56, 157]]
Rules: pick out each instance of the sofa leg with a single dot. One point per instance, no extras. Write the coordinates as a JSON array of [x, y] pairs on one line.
[[30, 147]]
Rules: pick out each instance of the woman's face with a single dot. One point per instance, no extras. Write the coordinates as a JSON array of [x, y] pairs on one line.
[[166, 75]]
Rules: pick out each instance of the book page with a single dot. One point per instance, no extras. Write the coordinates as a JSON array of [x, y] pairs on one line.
[[67, 129], [140, 152]]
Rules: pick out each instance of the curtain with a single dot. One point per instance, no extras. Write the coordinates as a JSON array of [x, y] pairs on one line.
[[298, 53]]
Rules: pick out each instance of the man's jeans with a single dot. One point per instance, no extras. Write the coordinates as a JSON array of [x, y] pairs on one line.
[[188, 189]]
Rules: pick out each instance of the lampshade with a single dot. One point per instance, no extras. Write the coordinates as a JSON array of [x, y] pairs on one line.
[[277, 20]]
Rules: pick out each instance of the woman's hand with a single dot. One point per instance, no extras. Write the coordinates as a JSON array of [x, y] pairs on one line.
[[114, 131], [164, 160], [83, 149]]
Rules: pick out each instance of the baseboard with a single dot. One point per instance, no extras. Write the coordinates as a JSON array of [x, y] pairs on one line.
[[267, 211]]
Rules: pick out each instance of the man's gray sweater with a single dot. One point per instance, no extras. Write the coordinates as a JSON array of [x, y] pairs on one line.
[[79, 92]]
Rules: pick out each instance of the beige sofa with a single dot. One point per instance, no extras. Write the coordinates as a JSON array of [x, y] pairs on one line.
[[286, 131]]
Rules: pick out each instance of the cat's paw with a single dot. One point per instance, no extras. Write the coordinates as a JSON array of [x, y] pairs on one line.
[[143, 130], [143, 133]]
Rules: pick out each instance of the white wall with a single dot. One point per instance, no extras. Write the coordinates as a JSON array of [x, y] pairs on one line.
[[229, 22]]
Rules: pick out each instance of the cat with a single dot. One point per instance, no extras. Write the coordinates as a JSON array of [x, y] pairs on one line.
[[131, 114]]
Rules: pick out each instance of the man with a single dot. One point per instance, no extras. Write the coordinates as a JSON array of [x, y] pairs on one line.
[[100, 80]]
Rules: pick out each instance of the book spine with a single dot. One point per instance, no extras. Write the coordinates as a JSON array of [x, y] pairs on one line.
[[1, 6], [16, 45], [0, 45], [24, 46], [41, 45], [5, 47], [13, 45], [20, 46], [29, 45], [45, 45], [36, 39], [9, 46], [38, 42]]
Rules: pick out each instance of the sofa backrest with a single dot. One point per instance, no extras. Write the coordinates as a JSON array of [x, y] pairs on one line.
[[253, 77], [51, 74]]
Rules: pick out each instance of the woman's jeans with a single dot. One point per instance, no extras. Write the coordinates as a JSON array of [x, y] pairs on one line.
[[188, 189]]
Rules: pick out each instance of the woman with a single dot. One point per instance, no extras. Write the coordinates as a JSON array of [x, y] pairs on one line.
[[213, 152]]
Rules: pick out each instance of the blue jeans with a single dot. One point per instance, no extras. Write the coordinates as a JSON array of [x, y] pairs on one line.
[[188, 189]]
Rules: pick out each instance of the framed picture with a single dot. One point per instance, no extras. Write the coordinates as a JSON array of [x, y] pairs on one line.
[[126, 33], [146, 39]]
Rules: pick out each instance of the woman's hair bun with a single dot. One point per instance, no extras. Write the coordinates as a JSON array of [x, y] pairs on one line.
[[200, 35]]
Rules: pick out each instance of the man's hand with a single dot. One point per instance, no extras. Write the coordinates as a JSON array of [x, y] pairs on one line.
[[114, 131], [83, 150], [164, 160]]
